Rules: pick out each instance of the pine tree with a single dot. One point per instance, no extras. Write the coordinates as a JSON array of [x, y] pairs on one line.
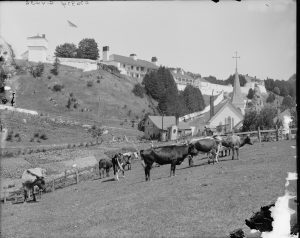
[[54, 70]]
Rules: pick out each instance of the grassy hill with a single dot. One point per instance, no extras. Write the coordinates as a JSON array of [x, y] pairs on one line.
[[97, 97], [100, 95]]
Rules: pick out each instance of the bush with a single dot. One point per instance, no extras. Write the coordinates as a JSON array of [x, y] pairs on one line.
[[36, 135], [98, 80], [49, 76], [9, 136], [57, 87], [271, 98], [37, 70], [138, 90], [43, 137], [89, 84]]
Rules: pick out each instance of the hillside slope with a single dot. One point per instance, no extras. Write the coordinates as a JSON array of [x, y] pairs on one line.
[[117, 102]]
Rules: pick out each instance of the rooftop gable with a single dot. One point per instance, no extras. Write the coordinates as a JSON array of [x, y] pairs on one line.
[[130, 61]]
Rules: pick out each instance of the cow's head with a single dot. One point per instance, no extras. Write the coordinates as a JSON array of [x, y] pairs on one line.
[[192, 149], [248, 140], [40, 182]]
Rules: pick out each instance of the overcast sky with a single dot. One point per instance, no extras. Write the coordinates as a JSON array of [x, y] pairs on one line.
[[199, 36]]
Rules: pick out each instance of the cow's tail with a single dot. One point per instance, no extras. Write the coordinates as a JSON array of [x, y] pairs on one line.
[[142, 159]]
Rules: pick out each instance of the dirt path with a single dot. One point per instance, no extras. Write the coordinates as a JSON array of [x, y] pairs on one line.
[[202, 201]]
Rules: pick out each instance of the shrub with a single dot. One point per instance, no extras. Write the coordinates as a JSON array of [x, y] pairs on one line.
[[57, 87], [138, 90], [49, 77], [9, 136], [271, 98], [36, 135], [89, 84], [43, 137], [37, 70], [31, 140], [98, 80]]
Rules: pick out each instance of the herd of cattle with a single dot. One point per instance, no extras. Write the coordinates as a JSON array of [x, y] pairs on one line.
[[170, 154]]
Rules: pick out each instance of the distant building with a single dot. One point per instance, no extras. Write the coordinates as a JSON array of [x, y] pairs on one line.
[[130, 66], [173, 129], [221, 118], [182, 79], [37, 49], [225, 116]]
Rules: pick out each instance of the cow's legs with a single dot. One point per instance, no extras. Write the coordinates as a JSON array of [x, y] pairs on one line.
[[33, 195], [173, 167], [232, 153], [107, 172], [237, 153], [147, 172], [219, 146], [191, 162], [25, 195]]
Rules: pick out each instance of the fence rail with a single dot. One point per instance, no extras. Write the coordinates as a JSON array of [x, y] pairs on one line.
[[278, 133], [69, 178]]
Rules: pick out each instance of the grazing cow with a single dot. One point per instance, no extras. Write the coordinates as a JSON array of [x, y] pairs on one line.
[[105, 164], [32, 178], [118, 162], [127, 159], [234, 142], [171, 154], [207, 145]]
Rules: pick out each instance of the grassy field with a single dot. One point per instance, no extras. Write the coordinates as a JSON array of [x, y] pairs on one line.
[[202, 201]]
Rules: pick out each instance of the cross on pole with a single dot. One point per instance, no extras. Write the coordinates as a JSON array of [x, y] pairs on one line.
[[236, 57]]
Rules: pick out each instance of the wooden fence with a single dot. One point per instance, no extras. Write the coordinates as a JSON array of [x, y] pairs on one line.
[[69, 178], [270, 135]]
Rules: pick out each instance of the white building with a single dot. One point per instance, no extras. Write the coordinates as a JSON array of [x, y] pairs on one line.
[[182, 79], [37, 49], [130, 66]]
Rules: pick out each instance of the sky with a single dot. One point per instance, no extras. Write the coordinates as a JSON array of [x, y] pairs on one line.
[[198, 36]]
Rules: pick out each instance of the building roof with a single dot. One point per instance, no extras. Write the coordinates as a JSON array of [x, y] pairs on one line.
[[131, 61], [37, 37], [205, 118], [179, 75], [168, 121]]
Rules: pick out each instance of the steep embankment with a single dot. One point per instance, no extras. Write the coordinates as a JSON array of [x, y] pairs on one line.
[[86, 90]]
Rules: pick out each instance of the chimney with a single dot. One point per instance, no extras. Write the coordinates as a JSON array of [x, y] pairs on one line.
[[154, 60], [177, 120], [105, 51], [211, 100], [133, 56]]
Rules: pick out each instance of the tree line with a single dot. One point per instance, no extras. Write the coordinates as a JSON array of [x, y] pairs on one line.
[[160, 85], [229, 80], [281, 87], [87, 49]]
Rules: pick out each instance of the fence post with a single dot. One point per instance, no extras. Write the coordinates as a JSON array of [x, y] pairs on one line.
[[258, 134], [77, 177], [277, 133], [53, 185], [4, 194]]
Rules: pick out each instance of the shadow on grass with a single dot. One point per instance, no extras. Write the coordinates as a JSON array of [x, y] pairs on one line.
[[206, 163], [109, 180]]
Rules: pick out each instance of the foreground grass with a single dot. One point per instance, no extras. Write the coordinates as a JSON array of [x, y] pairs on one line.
[[203, 201]]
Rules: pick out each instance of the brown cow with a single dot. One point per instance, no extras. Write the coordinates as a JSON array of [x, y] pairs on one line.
[[170, 154]]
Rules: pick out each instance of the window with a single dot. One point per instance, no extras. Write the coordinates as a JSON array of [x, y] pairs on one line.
[[142, 68], [137, 68], [124, 65], [131, 67]]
